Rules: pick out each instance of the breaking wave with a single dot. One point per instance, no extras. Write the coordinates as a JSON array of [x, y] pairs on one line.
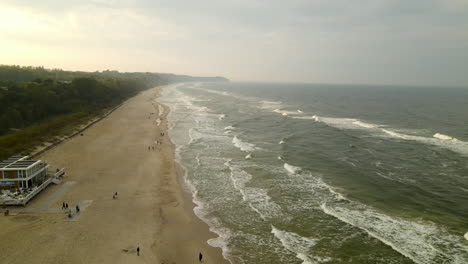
[[301, 246], [422, 242], [292, 169], [244, 146]]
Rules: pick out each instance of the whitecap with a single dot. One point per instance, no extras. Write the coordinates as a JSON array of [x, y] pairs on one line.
[[297, 244], [363, 124], [244, 146], [286, 112], [257, 198], [292, 169], [420, 241], [445, 137]]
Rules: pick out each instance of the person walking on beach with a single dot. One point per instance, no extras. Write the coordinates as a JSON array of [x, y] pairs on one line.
[[138, 251], [200, 257], [66, 206]]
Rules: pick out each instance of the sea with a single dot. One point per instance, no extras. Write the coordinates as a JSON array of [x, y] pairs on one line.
[[321, 173]]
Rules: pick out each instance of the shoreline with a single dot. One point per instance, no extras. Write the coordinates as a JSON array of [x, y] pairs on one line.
[[189, 204], [153, 212]]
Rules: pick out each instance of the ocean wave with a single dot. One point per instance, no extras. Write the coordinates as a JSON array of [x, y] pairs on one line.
[[292, 169], [438, 139], [363, 124], [248, 156], [286, 112], [299, 245], [244, 146], [281, 142], [445, 137], [269, 105], [257, 198], [314, 117], [422, 242]]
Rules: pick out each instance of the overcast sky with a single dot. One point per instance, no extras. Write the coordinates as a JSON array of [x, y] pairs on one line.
[[325, 41]]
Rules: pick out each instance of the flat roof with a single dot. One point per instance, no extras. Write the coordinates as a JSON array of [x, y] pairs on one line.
[[17, 162]]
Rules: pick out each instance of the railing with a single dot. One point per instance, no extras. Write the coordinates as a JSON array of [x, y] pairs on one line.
[[22, 201]]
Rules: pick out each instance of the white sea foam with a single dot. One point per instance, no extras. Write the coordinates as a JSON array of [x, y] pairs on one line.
[[270, 105], [281, 142], [201, 211], [160, 110], [248, 156], [280, 158], [299, 245], [285, 112], [394, 134], [244, 146], [257, 198], [299, 111], [438, 139], [422, 242], [221, 117], [314, 117], [292, 169], [363, 124], [466, 235], [445, 137], [229, 128], [158, 121]]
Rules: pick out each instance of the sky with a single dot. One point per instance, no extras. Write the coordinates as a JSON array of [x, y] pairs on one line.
[[415, 42]]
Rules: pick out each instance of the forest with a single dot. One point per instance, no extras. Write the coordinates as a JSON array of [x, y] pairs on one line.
[[36, 103]]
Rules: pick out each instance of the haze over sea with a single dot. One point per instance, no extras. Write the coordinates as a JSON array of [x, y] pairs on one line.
[[309, 173]]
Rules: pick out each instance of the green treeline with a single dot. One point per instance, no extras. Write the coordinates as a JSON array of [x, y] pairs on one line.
[[38, 104], [25, 103]]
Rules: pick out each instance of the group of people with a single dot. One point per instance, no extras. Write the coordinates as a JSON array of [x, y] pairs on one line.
[[65, 207], [157, 143]]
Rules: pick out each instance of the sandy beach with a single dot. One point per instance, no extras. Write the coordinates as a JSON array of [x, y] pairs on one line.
[[152, 211]]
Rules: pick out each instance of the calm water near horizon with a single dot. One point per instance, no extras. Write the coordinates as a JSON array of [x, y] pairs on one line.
[[304, 173]]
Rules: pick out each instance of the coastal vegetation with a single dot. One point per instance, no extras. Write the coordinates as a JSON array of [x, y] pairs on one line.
[[38, 104]]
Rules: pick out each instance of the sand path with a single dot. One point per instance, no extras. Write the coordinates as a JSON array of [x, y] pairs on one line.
[[152, 211]]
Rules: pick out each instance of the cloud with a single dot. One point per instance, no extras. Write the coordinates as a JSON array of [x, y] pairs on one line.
[[378, 41]]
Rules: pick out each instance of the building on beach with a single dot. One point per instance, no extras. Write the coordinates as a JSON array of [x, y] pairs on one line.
[[19, 172], [22, 178]]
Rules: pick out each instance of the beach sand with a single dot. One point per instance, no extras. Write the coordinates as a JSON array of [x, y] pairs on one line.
[[153, 211]]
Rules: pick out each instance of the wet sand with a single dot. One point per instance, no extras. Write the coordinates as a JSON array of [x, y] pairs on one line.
[[152, 211]]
